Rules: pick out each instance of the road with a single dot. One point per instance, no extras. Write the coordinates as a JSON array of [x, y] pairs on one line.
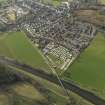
[[89, 96]]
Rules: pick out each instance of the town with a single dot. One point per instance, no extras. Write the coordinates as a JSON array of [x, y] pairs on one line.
[[54, 30], [52, 52]]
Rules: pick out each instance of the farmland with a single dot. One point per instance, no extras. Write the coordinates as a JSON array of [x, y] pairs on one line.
[[53, 2], [20, 92], [2, 1], [16, 45], [27, 94], [17, 91], [60, 34], [102, 1], [89, 69]]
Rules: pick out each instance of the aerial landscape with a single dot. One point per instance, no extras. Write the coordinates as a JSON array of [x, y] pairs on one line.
[[52, 52]]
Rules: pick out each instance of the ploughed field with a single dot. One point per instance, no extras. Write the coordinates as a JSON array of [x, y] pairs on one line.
[[92, 16], [17, 46], [89, 69]]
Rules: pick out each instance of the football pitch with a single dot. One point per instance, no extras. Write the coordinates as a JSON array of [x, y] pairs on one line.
[[17, 46], [89, 69]]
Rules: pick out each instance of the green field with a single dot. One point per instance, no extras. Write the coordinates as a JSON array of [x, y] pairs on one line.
[[2, 0], [53, 2], [102, 1], [89, 69], [16, 45]]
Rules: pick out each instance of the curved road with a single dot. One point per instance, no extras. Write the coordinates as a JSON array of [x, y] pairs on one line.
[[89, 96]]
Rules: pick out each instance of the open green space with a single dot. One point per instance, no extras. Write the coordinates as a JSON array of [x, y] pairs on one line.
[[89, 69], [102, 1], [2, 1], [4, 100], [53, 2], [17, 46]]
